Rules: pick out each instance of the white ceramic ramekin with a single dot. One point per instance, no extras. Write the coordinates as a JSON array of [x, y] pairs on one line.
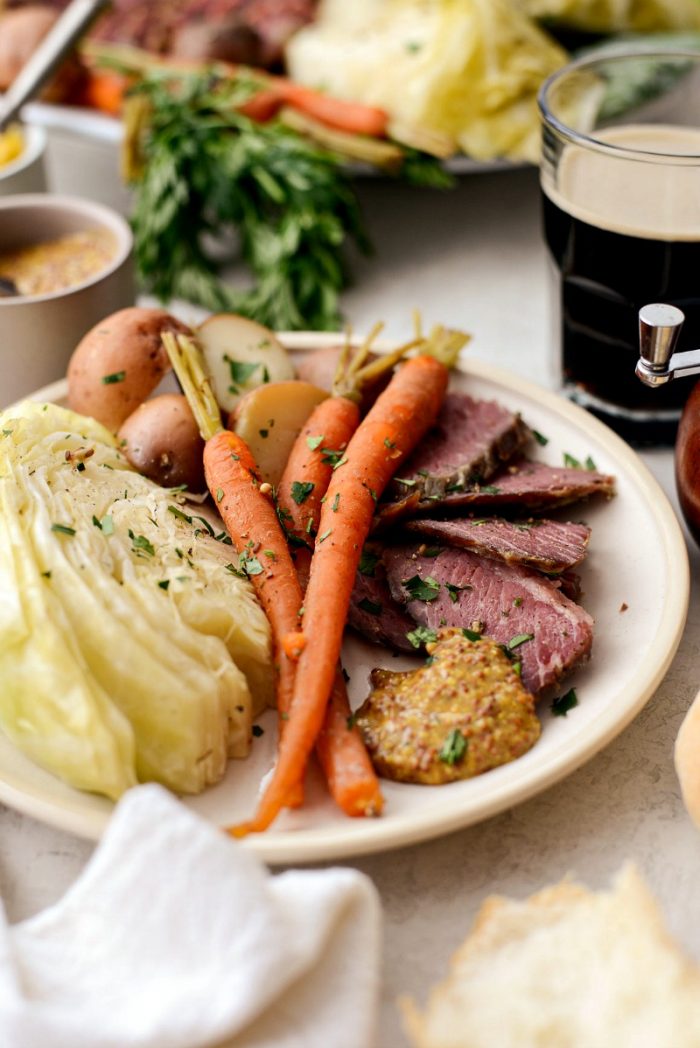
[[38, 333]]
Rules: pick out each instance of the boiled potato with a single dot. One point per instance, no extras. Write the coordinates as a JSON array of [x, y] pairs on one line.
[[119, 363], [162, 441], [270, 419], [241, 355], [320, 365]]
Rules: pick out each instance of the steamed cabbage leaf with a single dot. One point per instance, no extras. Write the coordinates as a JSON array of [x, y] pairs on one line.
[[130, 649], [466, 70], [606, 16]]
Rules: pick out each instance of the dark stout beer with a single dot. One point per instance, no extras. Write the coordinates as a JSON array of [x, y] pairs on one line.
[[621, 234]]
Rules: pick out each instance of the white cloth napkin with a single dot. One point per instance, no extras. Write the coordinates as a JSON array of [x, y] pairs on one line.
[[175, 937]]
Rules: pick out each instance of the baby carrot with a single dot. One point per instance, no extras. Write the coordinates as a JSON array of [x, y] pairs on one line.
[[301, 493], [393, 427], [246, 510]]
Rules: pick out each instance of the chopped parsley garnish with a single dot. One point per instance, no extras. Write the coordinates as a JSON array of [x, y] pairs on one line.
[[431, 551], [570, 461], [422, 589], [240, 372], [301, 489], [518, 668], [164, 583], [336, 502], [107, 525], [179, 514], [542, 440], [453, 748], [219, 494], [407, 482], [314, 442], [141, 545], [590, 464], [561, 706], [517, 602], [421, 635], [250, 565], [258, 731], [369, 606], [80, 467], [351, 721], [454, 591], [264, 433], [368, 562], [516, 641], [46, 574], [389, 443], [489, 489], [322, 538], [63, 529], [472, 635], [111, 380], [331, 457]]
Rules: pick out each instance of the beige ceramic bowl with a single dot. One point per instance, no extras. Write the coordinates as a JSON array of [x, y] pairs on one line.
[[38, 333], [26, 174]]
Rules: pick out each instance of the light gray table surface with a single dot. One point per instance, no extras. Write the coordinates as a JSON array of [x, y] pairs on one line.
[[473, 258]]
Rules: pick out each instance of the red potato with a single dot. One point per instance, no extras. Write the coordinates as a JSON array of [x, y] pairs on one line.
[[119, 363], [161, 440]]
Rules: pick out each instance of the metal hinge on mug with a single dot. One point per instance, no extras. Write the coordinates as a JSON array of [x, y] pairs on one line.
[[660, 326]]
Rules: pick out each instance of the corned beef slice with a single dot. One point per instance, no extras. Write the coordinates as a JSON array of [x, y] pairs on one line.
[[547, 633], [527, 485], [548, 545], [469, 441], [376, 615]]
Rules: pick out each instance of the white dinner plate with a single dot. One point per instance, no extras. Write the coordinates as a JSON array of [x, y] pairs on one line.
[[98, 127], [635, 582]]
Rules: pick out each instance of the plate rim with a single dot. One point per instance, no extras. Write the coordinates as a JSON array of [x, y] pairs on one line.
[[332, 842]]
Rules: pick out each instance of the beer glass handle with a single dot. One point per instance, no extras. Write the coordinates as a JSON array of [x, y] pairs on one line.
[[660, 327]]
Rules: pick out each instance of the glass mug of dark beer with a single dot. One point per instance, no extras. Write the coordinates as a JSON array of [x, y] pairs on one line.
[[620, 183]]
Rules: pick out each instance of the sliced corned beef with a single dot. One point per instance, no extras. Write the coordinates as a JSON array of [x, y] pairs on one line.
[[530, 485], [545, 631], [548, 545], [470, 440], [375, 614]]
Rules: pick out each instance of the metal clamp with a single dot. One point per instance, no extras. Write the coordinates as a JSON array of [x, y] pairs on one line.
[[660, 327]]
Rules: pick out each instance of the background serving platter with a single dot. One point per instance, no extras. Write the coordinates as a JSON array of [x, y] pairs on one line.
[[637, 561]]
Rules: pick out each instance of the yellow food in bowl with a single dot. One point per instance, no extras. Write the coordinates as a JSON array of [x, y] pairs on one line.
[[55, 265], [11, 146]]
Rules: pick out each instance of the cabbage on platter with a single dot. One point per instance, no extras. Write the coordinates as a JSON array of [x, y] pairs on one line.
[[130, 648]]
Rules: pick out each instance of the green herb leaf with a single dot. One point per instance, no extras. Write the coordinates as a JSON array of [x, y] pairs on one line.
[[336, 502], [516, 641], [422, 589], [489, 489], [421, 635], [177, 512], [322, 538], [63, 529], [258, 731], [141, 545], [314, 442], [368, 562], [453, 748], [111, 380], [590, 464], [369, 606], [240, 371], [570, 461], [300, 491], [164, 583], [542, 440], [561, 706], [472, 635]]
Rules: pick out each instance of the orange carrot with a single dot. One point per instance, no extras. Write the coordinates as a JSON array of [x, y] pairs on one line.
[[301, 492], [400, 417], [353, 117], [104, 90], [251, 521], [308, 473]]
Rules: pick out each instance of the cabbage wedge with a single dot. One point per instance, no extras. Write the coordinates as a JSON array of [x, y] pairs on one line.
[[130, 648], [467, 71]]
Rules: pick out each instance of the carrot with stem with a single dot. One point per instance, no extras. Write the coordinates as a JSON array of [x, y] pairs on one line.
[[393, 427], [247, 510]]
